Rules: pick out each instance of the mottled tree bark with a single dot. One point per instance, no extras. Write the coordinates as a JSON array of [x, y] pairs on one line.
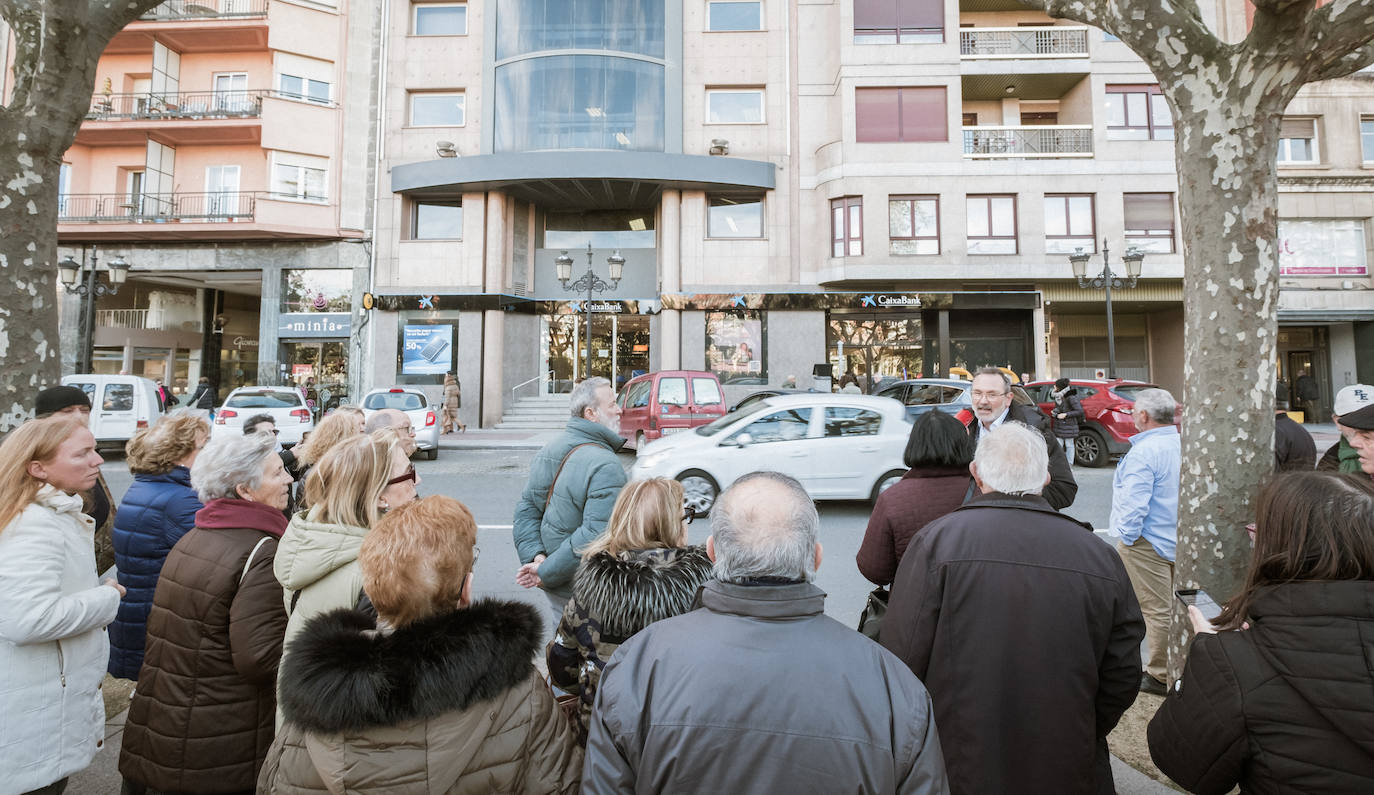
[[57, 45], [1228, 100]]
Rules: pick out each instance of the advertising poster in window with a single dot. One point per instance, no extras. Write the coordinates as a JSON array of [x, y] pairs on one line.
[[734, 347], [426, 350], [1322, 248]]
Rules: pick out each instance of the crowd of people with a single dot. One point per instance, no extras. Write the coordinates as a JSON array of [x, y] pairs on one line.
[[304, 621]]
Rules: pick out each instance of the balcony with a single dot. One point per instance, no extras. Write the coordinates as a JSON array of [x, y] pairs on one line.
[[180, 119], [205, 9], [1049, 41], [200, 26], [1064, 140], [242, 215], [201, 105], [161, 208]]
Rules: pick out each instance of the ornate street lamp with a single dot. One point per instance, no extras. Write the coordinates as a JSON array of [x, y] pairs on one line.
[[591, 283], [79, 278], [1106, 281]]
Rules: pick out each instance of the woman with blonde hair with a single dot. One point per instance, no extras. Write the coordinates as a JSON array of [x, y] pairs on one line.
[[328, 434], [639, 571], [473, 714], [53, 610], [348, 490], [157, 510]]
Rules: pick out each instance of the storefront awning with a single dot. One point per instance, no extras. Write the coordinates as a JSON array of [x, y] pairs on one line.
[[591, 179]]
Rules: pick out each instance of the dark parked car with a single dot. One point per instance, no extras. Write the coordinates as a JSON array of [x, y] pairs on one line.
[[1108, 424], [754, 397], [950, 395]]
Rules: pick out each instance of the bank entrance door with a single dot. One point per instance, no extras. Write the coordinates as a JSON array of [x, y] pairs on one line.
[[620, 348], [320, 367], [875, 349]]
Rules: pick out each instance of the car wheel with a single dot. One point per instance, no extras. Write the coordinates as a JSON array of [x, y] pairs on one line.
[[1090, 450], [699, 491], [886, 481], [432, 454]]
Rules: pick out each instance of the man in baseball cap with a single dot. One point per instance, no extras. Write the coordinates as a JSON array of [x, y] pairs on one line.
[[1358, 427], [1342, 457]]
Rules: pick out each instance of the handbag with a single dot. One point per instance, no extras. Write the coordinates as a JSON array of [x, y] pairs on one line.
[[871, 619]]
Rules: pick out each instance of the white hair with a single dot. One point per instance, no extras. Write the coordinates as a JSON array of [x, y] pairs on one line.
[[1012, 459], [765, 538], [229, 462], [1157, 404], [583, 396]]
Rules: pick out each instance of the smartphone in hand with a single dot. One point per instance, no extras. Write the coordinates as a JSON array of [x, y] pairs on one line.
[[1201, 600]]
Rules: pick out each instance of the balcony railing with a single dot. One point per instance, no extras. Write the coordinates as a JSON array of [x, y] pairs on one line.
[[77, 208], [194, 105], [1065, 140], [205, 9], [1051, 41]]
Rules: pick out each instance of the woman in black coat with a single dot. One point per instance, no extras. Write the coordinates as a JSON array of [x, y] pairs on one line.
[[1067, 414], [1280, 698]]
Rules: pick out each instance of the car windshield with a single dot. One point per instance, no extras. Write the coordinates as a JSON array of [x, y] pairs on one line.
[[263, 400], [729, 419], [1131, 391]]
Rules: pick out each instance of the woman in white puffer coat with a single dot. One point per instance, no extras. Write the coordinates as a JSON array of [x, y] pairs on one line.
[[53, 609]]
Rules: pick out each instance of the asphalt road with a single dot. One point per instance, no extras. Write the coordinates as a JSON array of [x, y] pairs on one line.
[[489, 482]]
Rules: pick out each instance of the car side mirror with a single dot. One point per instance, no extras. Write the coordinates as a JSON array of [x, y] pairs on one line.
[[743, 440]]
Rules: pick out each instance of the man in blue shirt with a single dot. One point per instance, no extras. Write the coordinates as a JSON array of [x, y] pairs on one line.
[[1145, 522]]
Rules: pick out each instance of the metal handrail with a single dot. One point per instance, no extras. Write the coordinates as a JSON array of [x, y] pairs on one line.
[[176, 10], [177, 105], [529, 381], [1061, 140], [1048, 41], [221, 206]]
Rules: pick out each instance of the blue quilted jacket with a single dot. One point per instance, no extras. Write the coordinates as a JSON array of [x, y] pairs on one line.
[[156, 511]]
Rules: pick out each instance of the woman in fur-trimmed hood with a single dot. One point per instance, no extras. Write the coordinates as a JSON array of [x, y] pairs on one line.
[[436, 695], [638, 572]]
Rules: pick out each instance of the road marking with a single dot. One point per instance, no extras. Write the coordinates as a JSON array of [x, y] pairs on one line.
[[495, 527]]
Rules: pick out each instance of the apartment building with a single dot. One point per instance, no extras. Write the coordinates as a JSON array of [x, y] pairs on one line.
[[229, 157]]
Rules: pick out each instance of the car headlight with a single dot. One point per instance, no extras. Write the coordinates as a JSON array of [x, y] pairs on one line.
[[651, 460]]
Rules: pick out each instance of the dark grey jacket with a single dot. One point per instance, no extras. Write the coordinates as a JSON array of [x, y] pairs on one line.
[[1062, 487], [704, 702]]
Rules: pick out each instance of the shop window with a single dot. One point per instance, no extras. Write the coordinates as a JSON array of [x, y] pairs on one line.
[[1138, 112], [1367, 139], [1297, 141], [437, 221], [734, 217], [1322, 247], [316, 290], [437, 109], [1069, 223], [907, 114], [732, 15], [991, 224], [300, 177], [847, 226], [913, 225], [426, 347], [899, 21], [440, 19], [1149, 221], [735, 346], [734, 106]]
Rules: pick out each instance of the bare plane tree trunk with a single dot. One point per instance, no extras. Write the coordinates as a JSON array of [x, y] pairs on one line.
[[57, 45]]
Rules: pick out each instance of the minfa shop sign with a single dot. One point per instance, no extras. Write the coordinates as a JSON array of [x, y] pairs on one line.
[[314, 324]]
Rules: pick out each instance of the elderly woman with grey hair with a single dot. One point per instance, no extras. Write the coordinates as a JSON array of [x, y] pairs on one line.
[[203, 713]]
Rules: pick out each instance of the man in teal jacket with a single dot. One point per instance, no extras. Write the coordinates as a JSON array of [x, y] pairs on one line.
[[574, 482]]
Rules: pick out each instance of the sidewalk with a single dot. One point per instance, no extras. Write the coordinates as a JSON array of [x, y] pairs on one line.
[[485, 439]]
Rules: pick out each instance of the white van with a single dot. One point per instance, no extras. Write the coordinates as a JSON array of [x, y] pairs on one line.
[[121, 405]]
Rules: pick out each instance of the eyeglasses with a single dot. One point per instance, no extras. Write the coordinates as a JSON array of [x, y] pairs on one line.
[[408, 475], [986, 395], [688, 514]]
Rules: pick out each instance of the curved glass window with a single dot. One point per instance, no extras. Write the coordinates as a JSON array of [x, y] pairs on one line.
[[579, 102], [527, 26]]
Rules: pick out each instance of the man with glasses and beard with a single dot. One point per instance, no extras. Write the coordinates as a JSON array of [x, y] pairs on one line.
[[993, 405], [574, 482]]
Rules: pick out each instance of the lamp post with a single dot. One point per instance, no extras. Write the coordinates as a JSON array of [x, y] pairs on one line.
[[81, 280], [1106, 280], [591, 283]]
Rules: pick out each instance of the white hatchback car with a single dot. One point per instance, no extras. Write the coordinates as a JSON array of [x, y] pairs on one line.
[[284, 404], [841, 447], [424, 418]]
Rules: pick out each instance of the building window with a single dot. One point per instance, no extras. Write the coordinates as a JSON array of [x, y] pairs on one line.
[[734, 346], [913, 113], [734, 216], [437, 221], [991, 224], [440, 19], [1297, 141], [1367, 139], [433, 109], [317, 290], [734, 106], [300, 177], [913, 225], [847, 226], [1311, 247], [303, 88], [580, 102], [899, 21], [1069, 223], [1149, 221], [572, 229], [1138, 113], [730, 15]]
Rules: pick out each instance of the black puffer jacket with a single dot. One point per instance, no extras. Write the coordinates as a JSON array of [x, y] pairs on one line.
[[1285, 706], [1068, 404]]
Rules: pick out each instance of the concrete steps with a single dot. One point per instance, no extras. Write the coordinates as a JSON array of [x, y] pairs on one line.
[[541, 413]]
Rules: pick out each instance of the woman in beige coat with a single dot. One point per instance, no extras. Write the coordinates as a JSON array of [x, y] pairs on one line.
[[438, 694], [453, 400]]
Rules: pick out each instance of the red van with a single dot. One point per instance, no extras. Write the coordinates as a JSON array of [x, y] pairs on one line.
[[669, 401]]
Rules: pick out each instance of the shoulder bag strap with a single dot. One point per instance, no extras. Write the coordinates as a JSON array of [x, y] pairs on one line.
[[549, 497], [251, 555]]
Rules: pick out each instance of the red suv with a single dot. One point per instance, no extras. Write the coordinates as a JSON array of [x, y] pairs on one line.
[[1107, 424]]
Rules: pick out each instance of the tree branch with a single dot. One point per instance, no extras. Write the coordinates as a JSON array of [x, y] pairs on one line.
[[1159, 33], [1348, 64], [1342, 33]]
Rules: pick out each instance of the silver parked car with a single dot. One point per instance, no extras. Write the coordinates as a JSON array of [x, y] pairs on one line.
[[424, 416]]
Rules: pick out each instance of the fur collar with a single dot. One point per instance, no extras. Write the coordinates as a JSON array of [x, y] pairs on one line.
[[628, 592], [343, 675]]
